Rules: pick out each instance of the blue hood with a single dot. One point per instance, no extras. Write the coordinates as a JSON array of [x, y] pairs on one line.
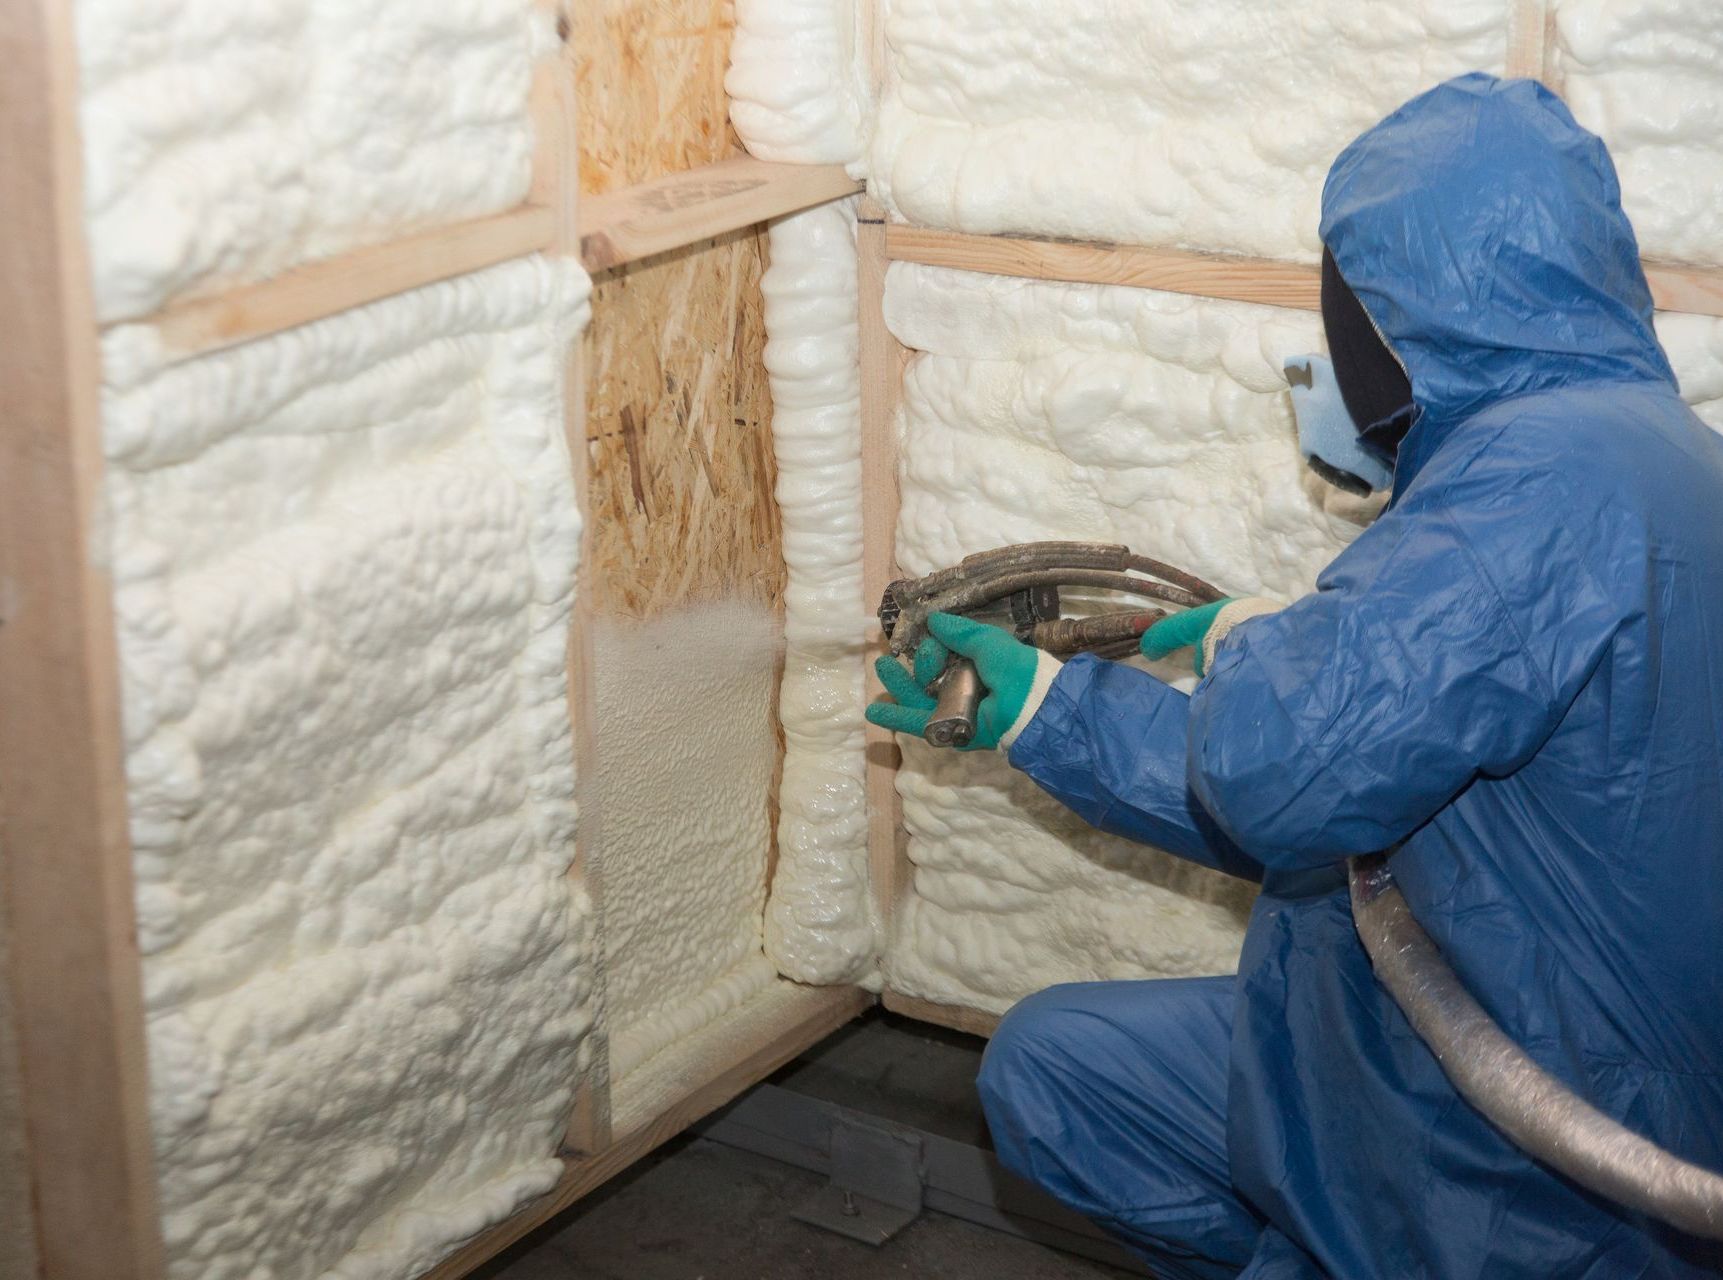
[[1482, 229]]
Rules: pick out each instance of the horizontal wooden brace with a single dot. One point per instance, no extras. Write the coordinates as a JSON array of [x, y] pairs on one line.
[[624, 226], [954, 1017], [325, 288], [686, 208], [1696, 290], [1277, 284]]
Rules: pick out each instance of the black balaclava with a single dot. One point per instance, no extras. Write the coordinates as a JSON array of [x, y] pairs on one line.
[[1377, 393]]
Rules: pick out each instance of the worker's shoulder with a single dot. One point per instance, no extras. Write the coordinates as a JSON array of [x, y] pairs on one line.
[[1612, 443]]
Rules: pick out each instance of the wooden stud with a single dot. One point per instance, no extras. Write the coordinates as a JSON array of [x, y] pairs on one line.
[[685, 208], [821, 1012], [1694, 290], [321, 289], [623, 226], [883, 361], [1278, 284], [1528, 39], [65, 859], [556, 188], [974, 1022]]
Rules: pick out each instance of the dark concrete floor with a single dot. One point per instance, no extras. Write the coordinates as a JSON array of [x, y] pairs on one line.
[[699, 1211]]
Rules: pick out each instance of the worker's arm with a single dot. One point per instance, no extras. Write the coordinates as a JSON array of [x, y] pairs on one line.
[[1445, 644], [1108, 741]]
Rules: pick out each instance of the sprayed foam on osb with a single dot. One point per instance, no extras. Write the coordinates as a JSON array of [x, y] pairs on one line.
[[820, 924], [225, 142], [1197, 123], [344, 564], [686, 753], [798, 80], [1648, 77], [1061, 411]]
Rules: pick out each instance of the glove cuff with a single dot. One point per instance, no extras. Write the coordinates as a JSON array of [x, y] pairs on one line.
[[1231, 614], [1047, 669]]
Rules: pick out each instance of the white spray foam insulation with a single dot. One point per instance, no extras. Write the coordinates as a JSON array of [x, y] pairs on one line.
[[1694, 345], [1039, 411], [224, 142], [820, 924], [798, 79], [686, 753], [1647, 75], [344, 564], [1195, 123]]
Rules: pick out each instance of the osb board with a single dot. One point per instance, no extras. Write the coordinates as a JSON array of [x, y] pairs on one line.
[[680, 493], [679, 425], [678, 405], [651, 77]]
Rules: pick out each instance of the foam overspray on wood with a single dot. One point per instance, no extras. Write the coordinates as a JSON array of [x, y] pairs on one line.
[[820, 924]]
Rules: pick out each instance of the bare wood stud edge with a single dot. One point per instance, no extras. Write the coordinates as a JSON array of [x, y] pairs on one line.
[[882, 371], [954, 1017], [556, 188], [65, 866]]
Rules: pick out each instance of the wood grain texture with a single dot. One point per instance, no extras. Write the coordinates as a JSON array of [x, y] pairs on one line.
[[65, 859], [883, 360], [698, 204], [1278, 284], [349, 280], [679, 414], [815, 1013], [1695, 290], [678, 403], [1529, 39], [556, 187], [974, 1022]]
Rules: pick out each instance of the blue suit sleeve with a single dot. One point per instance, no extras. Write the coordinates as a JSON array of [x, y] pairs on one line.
[[1445, 644], [1109, 743]]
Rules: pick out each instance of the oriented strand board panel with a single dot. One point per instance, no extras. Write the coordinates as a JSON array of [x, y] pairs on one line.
[[1039, 410], [1203, 124], [225, 142], [344, 562], [1648, 77], [687, 571]]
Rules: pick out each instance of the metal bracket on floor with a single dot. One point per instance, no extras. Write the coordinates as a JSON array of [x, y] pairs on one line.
[[888, 1172], [875, 1187]]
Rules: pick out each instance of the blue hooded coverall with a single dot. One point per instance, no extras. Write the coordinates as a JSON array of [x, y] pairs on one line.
[[1517, 671]]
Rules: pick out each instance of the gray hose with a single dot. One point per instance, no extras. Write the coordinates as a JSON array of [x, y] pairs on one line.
[[1542, 1116]]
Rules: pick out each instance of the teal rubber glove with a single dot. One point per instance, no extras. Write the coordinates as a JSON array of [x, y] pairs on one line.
[[1016, 676], [1202, 628]]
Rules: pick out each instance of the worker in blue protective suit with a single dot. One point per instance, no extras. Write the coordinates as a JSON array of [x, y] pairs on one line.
[[1517, 671]]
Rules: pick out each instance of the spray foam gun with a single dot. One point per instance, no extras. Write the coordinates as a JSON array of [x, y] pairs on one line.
[[1539, 1113], [1018, 586]]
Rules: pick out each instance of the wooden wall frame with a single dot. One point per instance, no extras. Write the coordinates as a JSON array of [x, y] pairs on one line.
[[66, 870], [65, 859]]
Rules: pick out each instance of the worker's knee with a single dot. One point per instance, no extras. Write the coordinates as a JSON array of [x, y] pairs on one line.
[[1035, 1062], [1030, 1040]]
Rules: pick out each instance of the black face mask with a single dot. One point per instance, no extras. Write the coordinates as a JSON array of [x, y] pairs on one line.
[[1377, 393]]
